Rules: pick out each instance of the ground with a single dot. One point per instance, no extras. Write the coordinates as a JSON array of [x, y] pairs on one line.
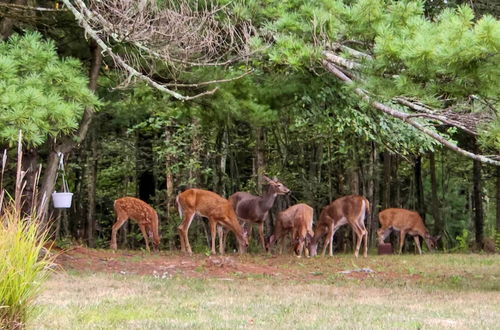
[[137, 290]]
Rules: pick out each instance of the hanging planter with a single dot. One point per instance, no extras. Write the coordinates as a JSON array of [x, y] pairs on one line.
[[62, 200]]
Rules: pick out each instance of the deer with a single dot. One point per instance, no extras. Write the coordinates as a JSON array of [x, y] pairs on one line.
[[252, 209], [140, 211], [345, 210], [297, 220], [406, 222], [216, 209]]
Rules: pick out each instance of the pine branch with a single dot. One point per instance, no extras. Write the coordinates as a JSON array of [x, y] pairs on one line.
[[406, 117]]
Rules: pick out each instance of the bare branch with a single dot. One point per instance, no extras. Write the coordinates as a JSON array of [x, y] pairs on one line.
[[341, 61], [425, 112], [406, 117], [118, 60], [353, 52], [209, 82], [16, 6]]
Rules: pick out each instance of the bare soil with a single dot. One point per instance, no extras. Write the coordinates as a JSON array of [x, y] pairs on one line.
[[231, 266]]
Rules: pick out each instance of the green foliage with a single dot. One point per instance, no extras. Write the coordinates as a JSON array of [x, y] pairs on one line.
[[39, 93], [463, 241], [23, 268]]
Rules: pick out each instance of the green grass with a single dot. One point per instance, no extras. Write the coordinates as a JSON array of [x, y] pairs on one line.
[[432, 291], [22, 271]]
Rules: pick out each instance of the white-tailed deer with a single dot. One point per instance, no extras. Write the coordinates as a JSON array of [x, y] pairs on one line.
[[145, 215], [406, 222], [345, 210], [253, 209], [218, 210], [296, 220]]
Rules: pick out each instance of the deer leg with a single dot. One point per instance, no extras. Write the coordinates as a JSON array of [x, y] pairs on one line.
[[261, 234], [144, 233], [119, 222], [213, 231], [402, 235], [183, 232], [220, 231], [361, 235], [331, 241], [328, 240], [281, 238], [365, 238], [417, 243]]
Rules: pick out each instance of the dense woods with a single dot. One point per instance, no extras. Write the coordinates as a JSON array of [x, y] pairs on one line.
[[393, 100]]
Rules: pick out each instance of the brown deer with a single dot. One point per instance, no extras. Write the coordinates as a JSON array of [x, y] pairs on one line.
[[406, 222], [145, 215], [252, 209], [296, 220], [218, 210], [345, 210]]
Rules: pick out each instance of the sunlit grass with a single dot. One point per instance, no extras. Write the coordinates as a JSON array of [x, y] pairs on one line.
[[21, 268], [326, 300]]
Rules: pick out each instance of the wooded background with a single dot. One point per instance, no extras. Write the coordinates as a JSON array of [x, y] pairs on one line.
[[150, 124]]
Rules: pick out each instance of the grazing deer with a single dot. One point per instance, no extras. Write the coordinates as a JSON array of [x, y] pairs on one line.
[[298, 220], [345, 210], [145, 215], [218, 210], [254, 209], [406, 222]]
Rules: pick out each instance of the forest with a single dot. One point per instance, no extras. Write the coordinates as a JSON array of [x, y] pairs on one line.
[[396, 101]]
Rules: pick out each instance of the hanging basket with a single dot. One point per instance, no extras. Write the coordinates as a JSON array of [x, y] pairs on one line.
[[62, 200]]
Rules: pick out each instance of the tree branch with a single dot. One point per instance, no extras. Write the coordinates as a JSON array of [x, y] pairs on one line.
[[428, 114], [29, 8], [406, 117], [131, 71]]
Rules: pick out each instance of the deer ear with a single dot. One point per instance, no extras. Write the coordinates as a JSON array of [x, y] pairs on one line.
[[437, 237], [266, 178]]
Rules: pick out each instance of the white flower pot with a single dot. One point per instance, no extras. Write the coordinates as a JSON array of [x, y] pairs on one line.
[[62, 200]]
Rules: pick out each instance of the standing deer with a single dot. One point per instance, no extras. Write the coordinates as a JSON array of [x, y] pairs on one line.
[[406, 222], [345, 210], [254, 209], [218, 210], [297, 220], [145, 215]]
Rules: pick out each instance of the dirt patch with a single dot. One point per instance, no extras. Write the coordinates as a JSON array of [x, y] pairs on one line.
[[161, 265], [229, 267]]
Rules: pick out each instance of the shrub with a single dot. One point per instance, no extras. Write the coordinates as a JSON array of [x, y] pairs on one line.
[[23, 266]]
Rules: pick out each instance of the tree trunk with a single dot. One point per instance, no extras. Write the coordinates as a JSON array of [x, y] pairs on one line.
[[419, 187], [30, 165], [69, 142], [498, 202], [146, 184], [386, 184], [438, 224], [91, 191], [260, 140], [6, 24], [478, 204], [395, 186], [372, 193]]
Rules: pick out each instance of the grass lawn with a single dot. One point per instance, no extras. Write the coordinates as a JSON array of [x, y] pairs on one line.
[[431, 291]]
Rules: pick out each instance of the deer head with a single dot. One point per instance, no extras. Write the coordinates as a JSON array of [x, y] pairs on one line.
[[277, 186], [431, 241]]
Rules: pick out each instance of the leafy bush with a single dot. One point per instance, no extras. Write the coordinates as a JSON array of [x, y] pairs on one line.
[[23, 266], [463, 242]]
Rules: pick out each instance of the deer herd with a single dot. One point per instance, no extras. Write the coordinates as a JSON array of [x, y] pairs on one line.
[[242, 210]]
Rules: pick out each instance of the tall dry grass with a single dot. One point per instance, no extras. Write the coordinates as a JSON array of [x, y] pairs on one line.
[[23, 263]]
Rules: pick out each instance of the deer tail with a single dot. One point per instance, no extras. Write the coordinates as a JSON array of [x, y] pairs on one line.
[[179, 208]]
